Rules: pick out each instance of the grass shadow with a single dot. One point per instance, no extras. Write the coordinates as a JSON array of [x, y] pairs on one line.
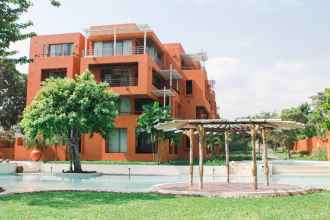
[[74, 199]]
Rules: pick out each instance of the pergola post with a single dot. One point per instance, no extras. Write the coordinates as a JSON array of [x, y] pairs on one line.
[[227, 155], [201, 136], [191, 156], [265, 156], [254, 158]]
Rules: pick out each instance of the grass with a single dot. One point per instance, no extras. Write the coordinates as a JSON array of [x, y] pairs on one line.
[[320, 155], [234, 156], [97, 205]]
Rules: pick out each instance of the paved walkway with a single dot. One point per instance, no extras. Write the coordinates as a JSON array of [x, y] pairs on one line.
[[232, 190]]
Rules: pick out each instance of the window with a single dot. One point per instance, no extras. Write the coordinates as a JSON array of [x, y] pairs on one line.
[[54, 73], [144, 144], [125, 105], [103, 48], [157, 80], [60, 49], [119, 48], [117, 141], [189, 87], [106, 48], [127, 47], [139, 103]]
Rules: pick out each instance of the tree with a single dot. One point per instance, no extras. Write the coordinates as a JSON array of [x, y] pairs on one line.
[[298, 114], [321, 114], [65, 109], [151, 116], [12, 95], [12, 28], [212, 141]]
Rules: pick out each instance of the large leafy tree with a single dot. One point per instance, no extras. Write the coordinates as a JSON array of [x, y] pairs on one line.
[[12, 95], [152, 115], [12, 29], [321, 114], [64, 109]]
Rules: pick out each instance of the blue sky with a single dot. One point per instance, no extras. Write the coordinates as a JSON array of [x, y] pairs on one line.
[[264, 54]]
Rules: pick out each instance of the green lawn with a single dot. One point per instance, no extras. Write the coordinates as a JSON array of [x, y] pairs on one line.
[[234, 156], [93, 205], [320, 155]]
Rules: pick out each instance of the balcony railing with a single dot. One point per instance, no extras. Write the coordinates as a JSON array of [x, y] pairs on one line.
[[111, 52], [122, 82]]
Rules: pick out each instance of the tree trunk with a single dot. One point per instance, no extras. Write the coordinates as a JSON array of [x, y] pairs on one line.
[[289, 153], [74, 150]]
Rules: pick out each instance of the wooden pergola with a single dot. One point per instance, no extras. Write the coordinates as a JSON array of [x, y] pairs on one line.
[[202, 127]]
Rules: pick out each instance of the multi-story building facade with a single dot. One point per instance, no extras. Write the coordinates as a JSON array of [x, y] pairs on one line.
[[138, 67]]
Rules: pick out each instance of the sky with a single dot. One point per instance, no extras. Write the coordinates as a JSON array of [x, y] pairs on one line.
[[265, 55]]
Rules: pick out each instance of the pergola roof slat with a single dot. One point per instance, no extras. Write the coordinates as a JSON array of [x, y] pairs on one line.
[[234, 125]]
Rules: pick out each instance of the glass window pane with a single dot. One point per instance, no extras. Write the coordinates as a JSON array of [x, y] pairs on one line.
[[67, 49], [58, 50], [107, 49], [119, 48], [98, 48], [125, 105], [52, 50], [123, 140], [127, 47], [114, 141]]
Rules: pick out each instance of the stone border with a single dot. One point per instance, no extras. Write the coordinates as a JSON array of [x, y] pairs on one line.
[[169, 189]]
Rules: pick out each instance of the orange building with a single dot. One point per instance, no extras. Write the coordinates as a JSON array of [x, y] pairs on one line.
[[138, 67]]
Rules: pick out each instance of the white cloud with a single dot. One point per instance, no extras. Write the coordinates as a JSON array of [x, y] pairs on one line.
[[244, 89]]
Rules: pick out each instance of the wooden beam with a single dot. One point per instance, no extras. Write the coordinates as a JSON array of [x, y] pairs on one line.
[[254, 158], [265, 155], [227, 155], [201, 136]]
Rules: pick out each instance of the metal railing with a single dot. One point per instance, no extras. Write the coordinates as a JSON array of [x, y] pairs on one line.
[[138, 50], [122, 82]]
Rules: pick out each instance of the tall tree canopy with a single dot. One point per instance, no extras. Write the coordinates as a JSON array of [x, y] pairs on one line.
[[64, 109], [12, 29], [12, 95]]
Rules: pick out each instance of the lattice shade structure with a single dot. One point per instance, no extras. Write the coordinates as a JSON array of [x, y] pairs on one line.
[[235, 125], [204, 127]]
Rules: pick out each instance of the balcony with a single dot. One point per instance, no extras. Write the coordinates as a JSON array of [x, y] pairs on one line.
[[124, 48], [119, 75]]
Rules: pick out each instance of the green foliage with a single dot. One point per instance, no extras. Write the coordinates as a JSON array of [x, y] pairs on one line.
[[213, 140], [63, 104], [12, 95], [321, 114], [12, 28], [151, 116]]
